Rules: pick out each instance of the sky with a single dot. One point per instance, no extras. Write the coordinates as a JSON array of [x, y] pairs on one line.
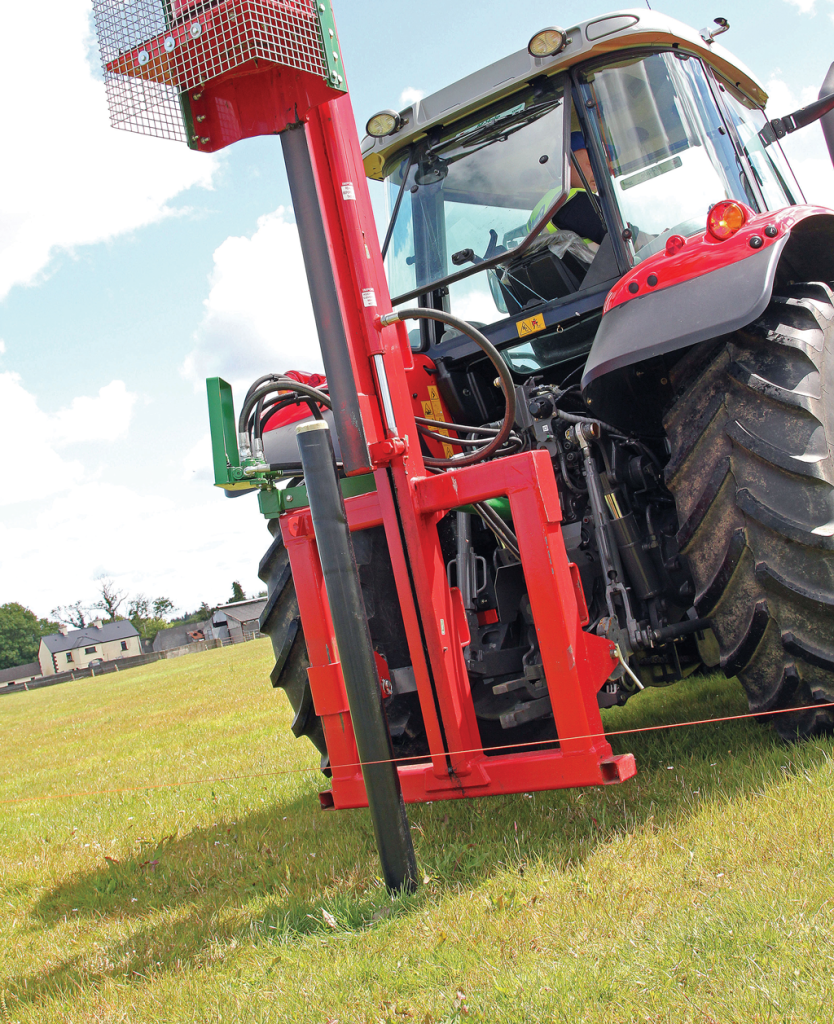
[[132, 268]]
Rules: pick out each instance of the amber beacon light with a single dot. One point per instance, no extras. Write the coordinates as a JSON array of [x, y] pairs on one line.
[[725, 219]]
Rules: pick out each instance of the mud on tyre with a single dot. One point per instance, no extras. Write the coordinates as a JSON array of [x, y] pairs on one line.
[[751, 434]]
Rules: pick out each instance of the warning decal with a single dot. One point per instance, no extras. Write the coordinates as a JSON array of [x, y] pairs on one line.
[[525, 327], [433, 410]]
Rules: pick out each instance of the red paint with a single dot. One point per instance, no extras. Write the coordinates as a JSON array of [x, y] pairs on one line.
[[408, 502], [253, 98], [702, 254], [576, 663]]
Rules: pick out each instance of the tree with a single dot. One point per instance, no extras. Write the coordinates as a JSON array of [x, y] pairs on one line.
[[111, 598], [237, 593], [20, 634], [148, 616], [162, 607], [76, 615]]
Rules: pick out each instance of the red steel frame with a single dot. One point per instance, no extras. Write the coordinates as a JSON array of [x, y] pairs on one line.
[[408, 503]]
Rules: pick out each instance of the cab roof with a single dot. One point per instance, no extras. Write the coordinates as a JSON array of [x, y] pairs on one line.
[[597, 37]]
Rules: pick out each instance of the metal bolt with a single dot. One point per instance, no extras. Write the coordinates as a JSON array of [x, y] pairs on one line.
[[170, 43], [205, 139], [144, 57], [201, 117], [288, 499]]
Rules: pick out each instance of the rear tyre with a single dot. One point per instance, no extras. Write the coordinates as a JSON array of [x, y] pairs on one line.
[[281, 621], [751, 435]]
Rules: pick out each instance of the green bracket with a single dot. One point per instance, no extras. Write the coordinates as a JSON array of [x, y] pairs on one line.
[[228, 473], [330, 47], [275, 502]]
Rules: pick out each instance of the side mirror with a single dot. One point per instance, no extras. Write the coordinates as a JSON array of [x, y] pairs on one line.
[[827, 121], [779, 127]]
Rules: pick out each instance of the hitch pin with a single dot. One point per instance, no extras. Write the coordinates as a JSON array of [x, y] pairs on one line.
[[625, 665]]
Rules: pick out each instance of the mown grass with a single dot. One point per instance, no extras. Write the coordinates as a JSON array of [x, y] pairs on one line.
[[701, 891]]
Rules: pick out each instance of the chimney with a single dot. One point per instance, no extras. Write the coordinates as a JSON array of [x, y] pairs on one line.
[[63, 630], [97, 623]]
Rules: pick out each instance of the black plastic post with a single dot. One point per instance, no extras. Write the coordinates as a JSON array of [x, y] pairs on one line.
[[356, 654], [325, 296]]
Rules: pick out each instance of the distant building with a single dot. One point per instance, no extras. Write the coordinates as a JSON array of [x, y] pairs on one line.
[[70, 649], [20, 674], [239, 620], [182, 635]]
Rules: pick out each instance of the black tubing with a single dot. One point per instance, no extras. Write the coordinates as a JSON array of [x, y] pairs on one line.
[[677, 629], [275, 386], [356, 654], [501, 368]]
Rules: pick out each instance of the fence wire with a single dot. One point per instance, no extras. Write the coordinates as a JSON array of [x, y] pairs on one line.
[[401, 760]]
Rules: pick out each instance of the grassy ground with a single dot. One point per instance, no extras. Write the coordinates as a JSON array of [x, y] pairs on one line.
[[701, 891]]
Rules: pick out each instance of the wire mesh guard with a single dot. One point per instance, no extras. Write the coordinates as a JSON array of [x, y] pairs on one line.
[[154, 50]]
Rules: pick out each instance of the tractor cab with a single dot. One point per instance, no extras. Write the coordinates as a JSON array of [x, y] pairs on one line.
[[533, 185]]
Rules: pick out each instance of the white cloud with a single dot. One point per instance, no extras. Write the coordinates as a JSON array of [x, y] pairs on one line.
[[410, 95], [65, 524], [197, 464], [804, 6], [258, 316], [104, 418], [187, 550], [2, 347], [67, 178], [29, 433]]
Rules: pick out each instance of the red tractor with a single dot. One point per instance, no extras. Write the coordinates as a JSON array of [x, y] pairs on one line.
[[600, 460]]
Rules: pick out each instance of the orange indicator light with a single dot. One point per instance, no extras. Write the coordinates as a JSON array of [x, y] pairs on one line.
[[725, 218]]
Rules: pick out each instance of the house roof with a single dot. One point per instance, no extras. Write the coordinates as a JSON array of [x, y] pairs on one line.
[[8, 675], [89, 636], [244, 611]]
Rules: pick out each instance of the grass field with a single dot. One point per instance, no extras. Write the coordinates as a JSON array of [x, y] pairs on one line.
[[701, 891]]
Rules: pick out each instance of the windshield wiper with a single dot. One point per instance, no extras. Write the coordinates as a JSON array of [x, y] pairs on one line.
[[499, 129]]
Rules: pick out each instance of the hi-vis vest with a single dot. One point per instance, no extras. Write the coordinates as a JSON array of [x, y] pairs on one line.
[[541, 208]]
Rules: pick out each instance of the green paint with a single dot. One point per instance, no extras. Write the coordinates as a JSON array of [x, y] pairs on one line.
[[330, 47], [274, 502], [225, 455]]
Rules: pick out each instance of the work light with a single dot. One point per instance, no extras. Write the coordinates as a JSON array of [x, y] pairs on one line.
[[386, 122], [547, 42]]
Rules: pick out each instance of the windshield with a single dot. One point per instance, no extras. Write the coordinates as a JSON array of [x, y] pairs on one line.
[[669, 154], [470, 192]]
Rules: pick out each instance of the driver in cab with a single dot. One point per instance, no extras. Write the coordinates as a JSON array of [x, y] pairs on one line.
[[577, 214]]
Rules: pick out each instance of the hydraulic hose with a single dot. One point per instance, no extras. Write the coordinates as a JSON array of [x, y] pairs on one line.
[[275, 384], [501, 368]]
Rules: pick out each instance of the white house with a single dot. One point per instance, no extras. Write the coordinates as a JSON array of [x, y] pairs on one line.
[[69, 649]]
